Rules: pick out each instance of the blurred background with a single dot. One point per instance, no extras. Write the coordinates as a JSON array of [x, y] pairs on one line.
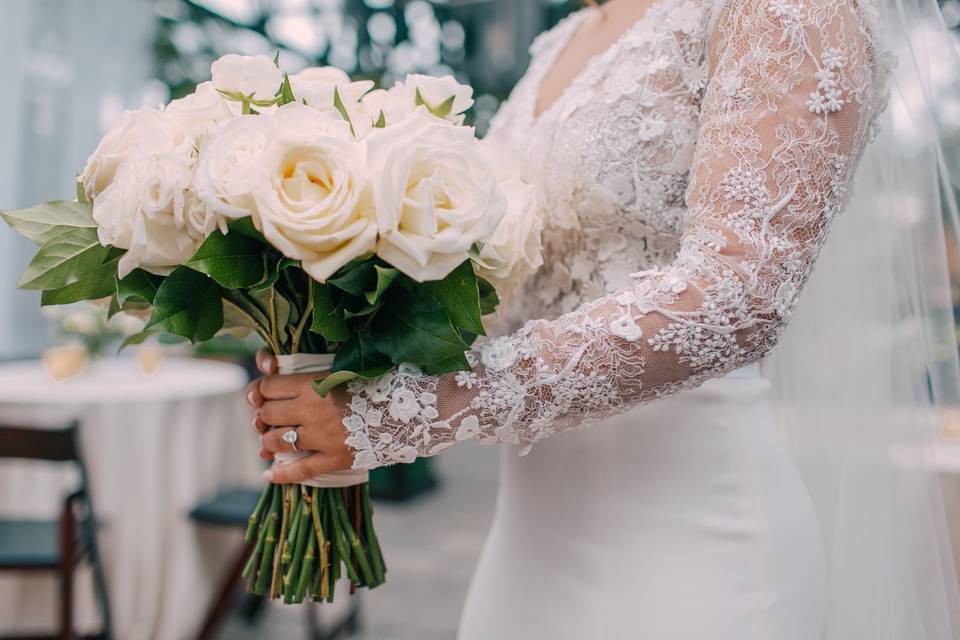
[[169, 462]]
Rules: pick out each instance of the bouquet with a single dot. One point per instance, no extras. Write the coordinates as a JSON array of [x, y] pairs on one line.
[[367, 227]]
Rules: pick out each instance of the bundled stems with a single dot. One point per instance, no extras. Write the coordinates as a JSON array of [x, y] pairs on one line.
[[305, 538]]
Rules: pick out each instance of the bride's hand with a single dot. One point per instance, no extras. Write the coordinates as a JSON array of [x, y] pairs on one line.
[[289, 401]]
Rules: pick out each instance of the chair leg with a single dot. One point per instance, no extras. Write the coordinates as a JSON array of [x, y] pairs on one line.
[[68, 542], [221, 603]]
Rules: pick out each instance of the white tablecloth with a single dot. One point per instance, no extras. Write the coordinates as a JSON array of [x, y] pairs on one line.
[[154, 447]]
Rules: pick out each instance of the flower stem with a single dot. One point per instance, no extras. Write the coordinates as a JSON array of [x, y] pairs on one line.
[[373, 545], [348, 537], [255, 516], [277, 571], [269, 545]]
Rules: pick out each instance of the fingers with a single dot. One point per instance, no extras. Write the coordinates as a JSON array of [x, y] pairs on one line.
[[266, 363], [281, 413], [306, 468], [273, 442], [282, 387], [307, 440], [253, 395]]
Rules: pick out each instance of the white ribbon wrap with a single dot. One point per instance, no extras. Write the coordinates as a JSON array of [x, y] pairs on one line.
[[317, 363]]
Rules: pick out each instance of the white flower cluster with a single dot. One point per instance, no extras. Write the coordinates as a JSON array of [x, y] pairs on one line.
[[340, 172]]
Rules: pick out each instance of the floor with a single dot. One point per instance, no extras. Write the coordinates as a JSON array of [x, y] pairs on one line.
[[430, 545]]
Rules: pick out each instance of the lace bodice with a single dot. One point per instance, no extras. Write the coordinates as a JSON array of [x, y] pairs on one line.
[[687, 180]]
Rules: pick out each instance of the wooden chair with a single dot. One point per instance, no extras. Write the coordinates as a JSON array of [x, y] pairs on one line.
[[55, 545]]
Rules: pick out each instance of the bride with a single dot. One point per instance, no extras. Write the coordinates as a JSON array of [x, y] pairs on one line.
[[657, 481]]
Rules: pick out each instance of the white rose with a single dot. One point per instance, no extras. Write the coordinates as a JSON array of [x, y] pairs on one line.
[[146, 130], [513, 252], [150, 210], [252, 77], [436, 92], [433, 193], [316, 85], [230, 161], [309, 194], [393, 104], [202, 108]]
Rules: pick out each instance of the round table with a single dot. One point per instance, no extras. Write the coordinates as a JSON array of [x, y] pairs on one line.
[[154, 446]]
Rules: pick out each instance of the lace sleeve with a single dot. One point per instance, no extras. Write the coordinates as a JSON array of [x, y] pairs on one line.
[[790, 101]]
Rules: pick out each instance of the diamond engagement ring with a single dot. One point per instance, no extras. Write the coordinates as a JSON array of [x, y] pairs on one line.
[[290, 437]]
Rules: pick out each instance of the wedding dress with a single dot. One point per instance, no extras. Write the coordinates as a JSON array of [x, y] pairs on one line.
[[687, 179]]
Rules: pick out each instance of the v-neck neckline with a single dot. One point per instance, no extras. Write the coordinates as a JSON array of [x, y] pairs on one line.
[[560, 48]]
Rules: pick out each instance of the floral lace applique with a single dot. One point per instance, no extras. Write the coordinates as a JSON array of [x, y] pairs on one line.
[[687, 180]]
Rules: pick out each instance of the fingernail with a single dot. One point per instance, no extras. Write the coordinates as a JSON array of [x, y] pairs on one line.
[[253, 424], [268, 475], [268, 364], [250, 397]]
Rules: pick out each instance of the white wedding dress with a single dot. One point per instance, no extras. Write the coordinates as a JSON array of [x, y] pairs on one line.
[[687, 180]]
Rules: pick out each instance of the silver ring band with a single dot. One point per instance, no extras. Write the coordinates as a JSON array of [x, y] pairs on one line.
[[290, 437]]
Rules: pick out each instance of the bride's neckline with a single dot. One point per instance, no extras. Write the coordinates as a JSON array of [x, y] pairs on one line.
[[578, 20]]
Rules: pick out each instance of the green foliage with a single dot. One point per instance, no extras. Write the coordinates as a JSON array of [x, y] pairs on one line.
[[342, 109], [385, 277], [380, 318], [245, 227], [41, 222], [234, 260], [459, 295], [286, 92], [187, 304], [328, 319], [416, 334], [137, 285], [441, 110]]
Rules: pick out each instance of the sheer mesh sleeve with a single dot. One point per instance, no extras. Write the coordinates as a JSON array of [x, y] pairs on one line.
[[791, 96]]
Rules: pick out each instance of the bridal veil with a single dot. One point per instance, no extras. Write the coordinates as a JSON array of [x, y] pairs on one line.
[[867, 371]]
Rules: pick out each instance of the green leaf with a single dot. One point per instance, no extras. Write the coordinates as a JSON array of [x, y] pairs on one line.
[[99, 283], [114, 307], [187, 304], [44, 220], [275, 263], [362, 311], [276, 59], [137, 338], [454, 363], [360, 354], [381, 122], [233, 260], [81, 193], [441, 110], [356, 280], [489, 300], [246, 228], [67, 255], [385, 277], [237, 321], [328, 318], [417, 337], [339, 106], [459, 295], [325, 386], [286, 92], [138, 284]]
